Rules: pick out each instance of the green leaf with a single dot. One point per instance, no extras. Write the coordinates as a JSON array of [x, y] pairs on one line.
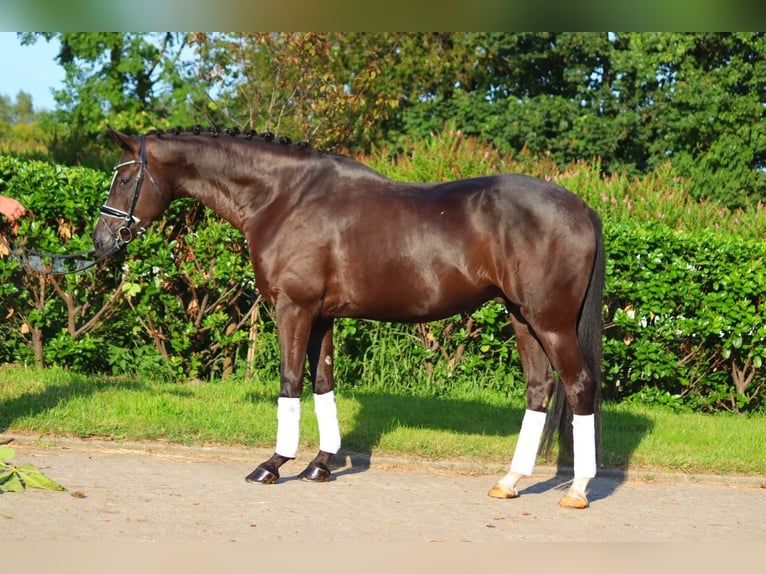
[[10, 481], [7, 452], [33, 478], [5, 475], [131, 289]]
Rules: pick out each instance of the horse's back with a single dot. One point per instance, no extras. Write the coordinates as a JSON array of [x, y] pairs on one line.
[[418, 252]]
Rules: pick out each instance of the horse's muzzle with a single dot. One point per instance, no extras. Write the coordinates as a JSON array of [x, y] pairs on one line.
[[107, 242]]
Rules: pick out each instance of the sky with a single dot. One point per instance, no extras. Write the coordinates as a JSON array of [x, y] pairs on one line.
[[32, 69]]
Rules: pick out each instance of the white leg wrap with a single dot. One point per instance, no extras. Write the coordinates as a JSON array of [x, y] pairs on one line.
[[327, 420], [525, 455], [584, 438], [288, 426]]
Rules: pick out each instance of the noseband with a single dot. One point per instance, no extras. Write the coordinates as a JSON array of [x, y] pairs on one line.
[[124, 233]]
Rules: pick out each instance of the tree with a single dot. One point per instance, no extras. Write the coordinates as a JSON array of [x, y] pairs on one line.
[[634, 100], [311, 86], [341, 89], [701, 101], [130, 81], [19, 112], [20, 131]]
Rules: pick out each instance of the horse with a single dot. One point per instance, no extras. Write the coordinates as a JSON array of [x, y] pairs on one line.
[[329, 237]]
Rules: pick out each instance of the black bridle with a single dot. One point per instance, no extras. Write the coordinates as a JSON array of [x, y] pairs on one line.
[[125, 234]]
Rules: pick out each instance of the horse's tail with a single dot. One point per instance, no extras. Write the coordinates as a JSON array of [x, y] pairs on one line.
[[589, 335]]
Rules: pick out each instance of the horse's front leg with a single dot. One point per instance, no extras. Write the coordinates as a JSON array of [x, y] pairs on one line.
[[293, 326], [320, 354]]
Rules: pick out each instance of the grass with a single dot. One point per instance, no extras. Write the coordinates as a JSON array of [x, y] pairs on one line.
[[481, 428]]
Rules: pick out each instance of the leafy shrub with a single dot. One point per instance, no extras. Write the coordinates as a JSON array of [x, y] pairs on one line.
[[686, 316], [54, 316], [191, 291]]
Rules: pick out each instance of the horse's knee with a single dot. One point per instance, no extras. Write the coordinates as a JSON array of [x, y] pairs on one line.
[[538, 395], [290, 388], [323, 385]]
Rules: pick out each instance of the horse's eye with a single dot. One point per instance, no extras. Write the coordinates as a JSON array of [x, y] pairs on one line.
[[124, 181]]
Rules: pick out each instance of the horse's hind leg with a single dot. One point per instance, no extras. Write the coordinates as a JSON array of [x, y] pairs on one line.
[[540, 384], [565, 354], [320, 355]]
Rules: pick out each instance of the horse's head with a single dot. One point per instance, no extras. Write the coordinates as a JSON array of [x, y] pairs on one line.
[[135, 198]]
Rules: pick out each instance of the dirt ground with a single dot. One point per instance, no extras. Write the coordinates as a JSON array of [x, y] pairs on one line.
[[155, 492]]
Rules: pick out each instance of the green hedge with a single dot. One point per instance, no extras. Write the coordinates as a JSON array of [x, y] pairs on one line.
[[53, 317], [686, 320], [173, 308], [683, 302]]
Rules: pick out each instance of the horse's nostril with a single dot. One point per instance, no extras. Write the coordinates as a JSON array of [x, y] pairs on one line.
[[99, 243]]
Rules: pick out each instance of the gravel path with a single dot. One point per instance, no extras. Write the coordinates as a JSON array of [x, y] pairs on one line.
[[153, 492]]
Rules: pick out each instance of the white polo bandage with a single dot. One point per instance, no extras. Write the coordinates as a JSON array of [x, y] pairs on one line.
[[584, 438], [288, 426], [525, 455], [327, 421]]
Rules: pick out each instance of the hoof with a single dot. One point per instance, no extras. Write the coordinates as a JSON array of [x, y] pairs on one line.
[[501, 491], [574, 500], [315, 472], [263, 475]]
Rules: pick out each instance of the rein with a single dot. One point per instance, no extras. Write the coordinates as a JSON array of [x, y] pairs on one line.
[[32, 260]]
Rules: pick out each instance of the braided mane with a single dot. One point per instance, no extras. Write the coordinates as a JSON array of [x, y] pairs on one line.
[[248, 134]]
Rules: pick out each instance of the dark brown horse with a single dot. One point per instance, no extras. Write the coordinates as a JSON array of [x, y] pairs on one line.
[[329, 237]]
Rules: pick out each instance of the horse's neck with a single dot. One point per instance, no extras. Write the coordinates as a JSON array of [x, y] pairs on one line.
[[228, 192], [250, 187]]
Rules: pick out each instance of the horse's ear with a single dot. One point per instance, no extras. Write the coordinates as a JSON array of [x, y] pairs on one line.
[[120, 138]]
